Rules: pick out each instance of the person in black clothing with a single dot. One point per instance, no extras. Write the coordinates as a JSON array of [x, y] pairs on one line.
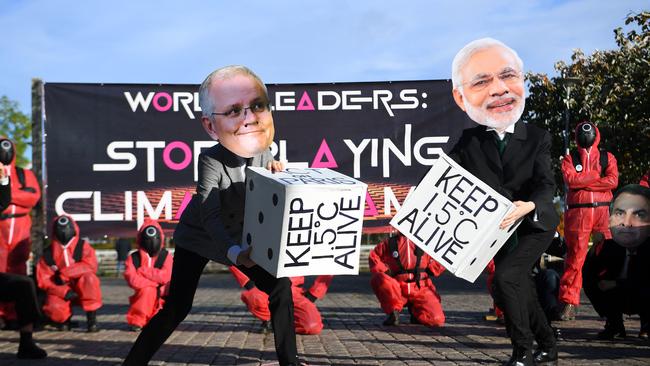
[[236, 112], [617, 271], [512, 157], [122, 247], [20, 289]]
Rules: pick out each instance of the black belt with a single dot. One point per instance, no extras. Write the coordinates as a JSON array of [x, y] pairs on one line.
[[589, 205], [10, 216]]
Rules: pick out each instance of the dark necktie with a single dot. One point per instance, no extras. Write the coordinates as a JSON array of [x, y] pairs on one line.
[[512, 242], [501, 143]]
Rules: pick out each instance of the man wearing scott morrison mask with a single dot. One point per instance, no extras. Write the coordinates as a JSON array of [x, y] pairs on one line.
[[590, 174], [67, 273], [236, 112], [617, 271], [513, 158], [148, 271]]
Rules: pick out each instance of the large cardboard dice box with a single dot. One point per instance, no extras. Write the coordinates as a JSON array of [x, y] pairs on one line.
[[454, 217], [303, 222]]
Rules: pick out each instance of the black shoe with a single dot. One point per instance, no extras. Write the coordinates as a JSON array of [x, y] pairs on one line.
[[557, 332], [521, 357], [63, 327], [91, 319], [569, 312], [611, 331], [546, 357], [135, 328], [30, 351], [393, 318], [11, 325], [266, 326], [412, 319]]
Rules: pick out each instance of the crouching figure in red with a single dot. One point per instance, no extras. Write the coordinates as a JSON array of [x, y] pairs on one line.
[[67, 273], [401, 275], [307, 318], [148, 272]]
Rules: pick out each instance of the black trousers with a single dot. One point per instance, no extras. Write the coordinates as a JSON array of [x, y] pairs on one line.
[[186, 272], [547, 283], [22, 290], [514, 291], [612, 304]]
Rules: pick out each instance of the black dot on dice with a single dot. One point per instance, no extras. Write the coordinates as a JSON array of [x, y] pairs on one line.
[[275, 199], [249, 238], [251, 185], [269, 253], [260, 217]]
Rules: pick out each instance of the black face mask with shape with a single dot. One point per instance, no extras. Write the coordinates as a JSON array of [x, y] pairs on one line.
[[150, 240], [586, 135], [64, 230], [6, 152]]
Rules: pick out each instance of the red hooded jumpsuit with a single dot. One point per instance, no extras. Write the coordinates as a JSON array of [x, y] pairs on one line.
[[150, 282], [16, 223], [588, 186], [307, 319], [78, 276], [395, 285]]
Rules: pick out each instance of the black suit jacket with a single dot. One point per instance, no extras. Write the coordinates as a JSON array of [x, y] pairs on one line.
[[605, 262], [213, 220], [523, 173]]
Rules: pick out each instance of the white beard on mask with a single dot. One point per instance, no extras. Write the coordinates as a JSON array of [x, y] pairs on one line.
[[480, 116]]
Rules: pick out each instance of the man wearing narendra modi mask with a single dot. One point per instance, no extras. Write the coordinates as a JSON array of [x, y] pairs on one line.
[[513, 157]]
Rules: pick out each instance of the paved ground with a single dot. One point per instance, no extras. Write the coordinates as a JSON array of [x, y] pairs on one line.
[[219, 331]]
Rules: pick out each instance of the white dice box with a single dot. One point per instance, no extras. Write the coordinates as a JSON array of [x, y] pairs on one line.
[[303, 222]]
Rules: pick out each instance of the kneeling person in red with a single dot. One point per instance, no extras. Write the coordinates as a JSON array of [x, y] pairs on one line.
[[148, 272], [307, 318], [67, 273], [401, 275]]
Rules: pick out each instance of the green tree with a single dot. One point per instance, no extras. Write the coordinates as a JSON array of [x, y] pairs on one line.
[[16, 126], [612, 89]]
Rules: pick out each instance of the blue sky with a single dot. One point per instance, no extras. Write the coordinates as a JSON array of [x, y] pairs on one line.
[[284, 41]]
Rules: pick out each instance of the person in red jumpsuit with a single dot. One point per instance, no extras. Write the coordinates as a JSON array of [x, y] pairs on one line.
[[148, 272], [67, 273], [401, 275], [307, 318], [20, 289], [590, 182], [15, 221]]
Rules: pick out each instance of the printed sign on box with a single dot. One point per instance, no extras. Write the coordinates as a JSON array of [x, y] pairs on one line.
[[303, 222], [454, 217]]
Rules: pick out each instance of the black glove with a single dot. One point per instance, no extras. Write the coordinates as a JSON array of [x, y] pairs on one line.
[[57, 278], [310, 297], [70, 295]]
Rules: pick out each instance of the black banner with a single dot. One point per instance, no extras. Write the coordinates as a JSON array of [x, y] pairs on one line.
[[117, 153]]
